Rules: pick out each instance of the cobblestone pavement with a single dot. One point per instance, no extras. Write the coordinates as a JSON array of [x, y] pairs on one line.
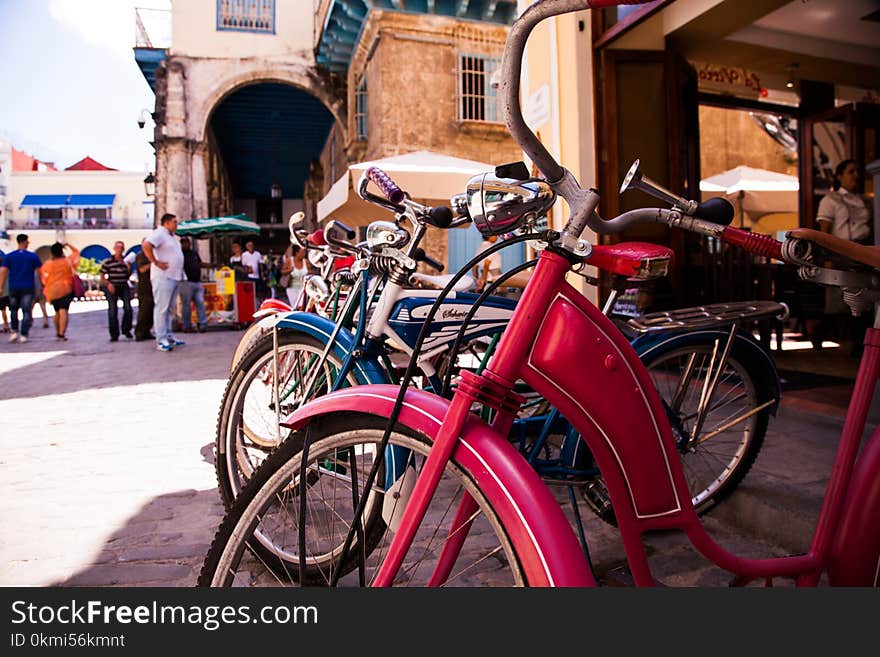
[[107, 475], [105, 455]]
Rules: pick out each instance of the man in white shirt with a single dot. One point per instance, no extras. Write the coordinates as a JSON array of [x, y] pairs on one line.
[[166, 271], [253, 259]]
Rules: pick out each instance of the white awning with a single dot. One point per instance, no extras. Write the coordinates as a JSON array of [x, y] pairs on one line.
[[430, 178], [757, 191]]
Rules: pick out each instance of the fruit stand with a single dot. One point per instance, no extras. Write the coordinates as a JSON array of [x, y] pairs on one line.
[[227, 302]]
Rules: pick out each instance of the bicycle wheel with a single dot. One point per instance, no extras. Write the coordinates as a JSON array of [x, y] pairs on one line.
[[247, 425], [716, 459], [258, 542]]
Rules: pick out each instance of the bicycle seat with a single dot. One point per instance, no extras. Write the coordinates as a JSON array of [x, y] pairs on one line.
[[866, 255], [439, 282], [640, 260]]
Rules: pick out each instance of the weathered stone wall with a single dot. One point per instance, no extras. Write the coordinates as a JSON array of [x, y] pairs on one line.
[[411, 66], [410, 63]]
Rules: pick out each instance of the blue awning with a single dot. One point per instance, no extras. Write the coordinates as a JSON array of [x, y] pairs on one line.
[[54, 201], [45, 201], [91, 200]]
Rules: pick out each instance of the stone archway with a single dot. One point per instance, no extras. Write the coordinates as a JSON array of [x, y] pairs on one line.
[[324, 88], [188, 92]]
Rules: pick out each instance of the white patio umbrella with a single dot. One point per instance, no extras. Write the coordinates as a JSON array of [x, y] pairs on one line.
[[429, 177], [756, 191]]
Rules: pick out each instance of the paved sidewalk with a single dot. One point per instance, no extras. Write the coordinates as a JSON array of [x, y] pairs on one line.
[[105, 455], [107, 480]]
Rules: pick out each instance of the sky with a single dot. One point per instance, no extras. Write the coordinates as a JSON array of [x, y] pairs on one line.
[[69, 85]]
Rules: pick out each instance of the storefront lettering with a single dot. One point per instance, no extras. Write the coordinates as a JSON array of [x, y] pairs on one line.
[[729, 77]]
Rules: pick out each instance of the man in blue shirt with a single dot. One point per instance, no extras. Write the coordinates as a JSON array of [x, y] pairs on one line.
[[19, 267]]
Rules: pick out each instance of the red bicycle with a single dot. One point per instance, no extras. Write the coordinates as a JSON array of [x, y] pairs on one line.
[[462, 506]]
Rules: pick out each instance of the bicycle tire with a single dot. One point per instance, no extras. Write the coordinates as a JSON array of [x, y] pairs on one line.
[[248, 339], [231, 456], [238, 552]]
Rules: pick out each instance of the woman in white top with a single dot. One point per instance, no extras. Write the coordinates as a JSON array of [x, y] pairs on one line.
[[843, 212], [295, 267]]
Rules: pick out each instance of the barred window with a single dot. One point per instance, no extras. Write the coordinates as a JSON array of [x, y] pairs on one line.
[[360, 109], [246, 15], [478, 98]]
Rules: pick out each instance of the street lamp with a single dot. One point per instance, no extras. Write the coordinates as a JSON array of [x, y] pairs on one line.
[[150, 185], [275, 191]]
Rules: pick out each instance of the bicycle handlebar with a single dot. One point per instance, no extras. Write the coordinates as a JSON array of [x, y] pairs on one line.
[[389, 188], [421, 256]]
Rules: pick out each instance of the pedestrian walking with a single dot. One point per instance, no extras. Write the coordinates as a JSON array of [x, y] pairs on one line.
[[191, 289], [166, 272], [19, 267], [114, 278], [144, 322], [57, 278]]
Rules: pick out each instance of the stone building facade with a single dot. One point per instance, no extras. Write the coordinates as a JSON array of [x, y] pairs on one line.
[[414, 93], [411, 65]]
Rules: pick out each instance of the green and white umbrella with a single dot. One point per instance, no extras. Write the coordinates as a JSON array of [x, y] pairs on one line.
[[238, 224]]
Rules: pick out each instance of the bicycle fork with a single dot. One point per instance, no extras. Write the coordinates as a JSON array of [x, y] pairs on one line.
[[472, 388]]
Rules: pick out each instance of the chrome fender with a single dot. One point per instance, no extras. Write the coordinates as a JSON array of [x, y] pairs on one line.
[[542, 536]]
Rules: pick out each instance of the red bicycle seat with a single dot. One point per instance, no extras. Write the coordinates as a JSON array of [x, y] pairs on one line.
[[317, 238], [639, 260]]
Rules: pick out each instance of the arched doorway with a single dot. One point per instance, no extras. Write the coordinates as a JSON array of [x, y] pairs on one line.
[[266, 134]]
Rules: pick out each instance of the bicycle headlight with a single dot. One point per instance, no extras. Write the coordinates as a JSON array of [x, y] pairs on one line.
[[501, 205], [386, 233]]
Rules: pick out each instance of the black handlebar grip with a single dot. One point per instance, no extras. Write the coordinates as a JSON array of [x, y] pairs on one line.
[[441, 217], [421, 256], [717, 210], [392, 192]]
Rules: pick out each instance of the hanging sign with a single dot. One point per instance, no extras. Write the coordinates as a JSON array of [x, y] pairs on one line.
[[729, 79]]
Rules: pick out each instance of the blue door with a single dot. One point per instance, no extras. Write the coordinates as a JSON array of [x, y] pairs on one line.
[[463, 244]]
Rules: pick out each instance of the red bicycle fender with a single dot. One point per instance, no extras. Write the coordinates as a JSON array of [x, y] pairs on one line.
[[855, 553], [540, 532], [276, 305]]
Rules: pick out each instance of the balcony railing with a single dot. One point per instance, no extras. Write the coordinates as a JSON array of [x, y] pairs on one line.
[[246, 15], [152, 28]]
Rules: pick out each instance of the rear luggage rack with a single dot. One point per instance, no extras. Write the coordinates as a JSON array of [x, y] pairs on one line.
[[712, 316]]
